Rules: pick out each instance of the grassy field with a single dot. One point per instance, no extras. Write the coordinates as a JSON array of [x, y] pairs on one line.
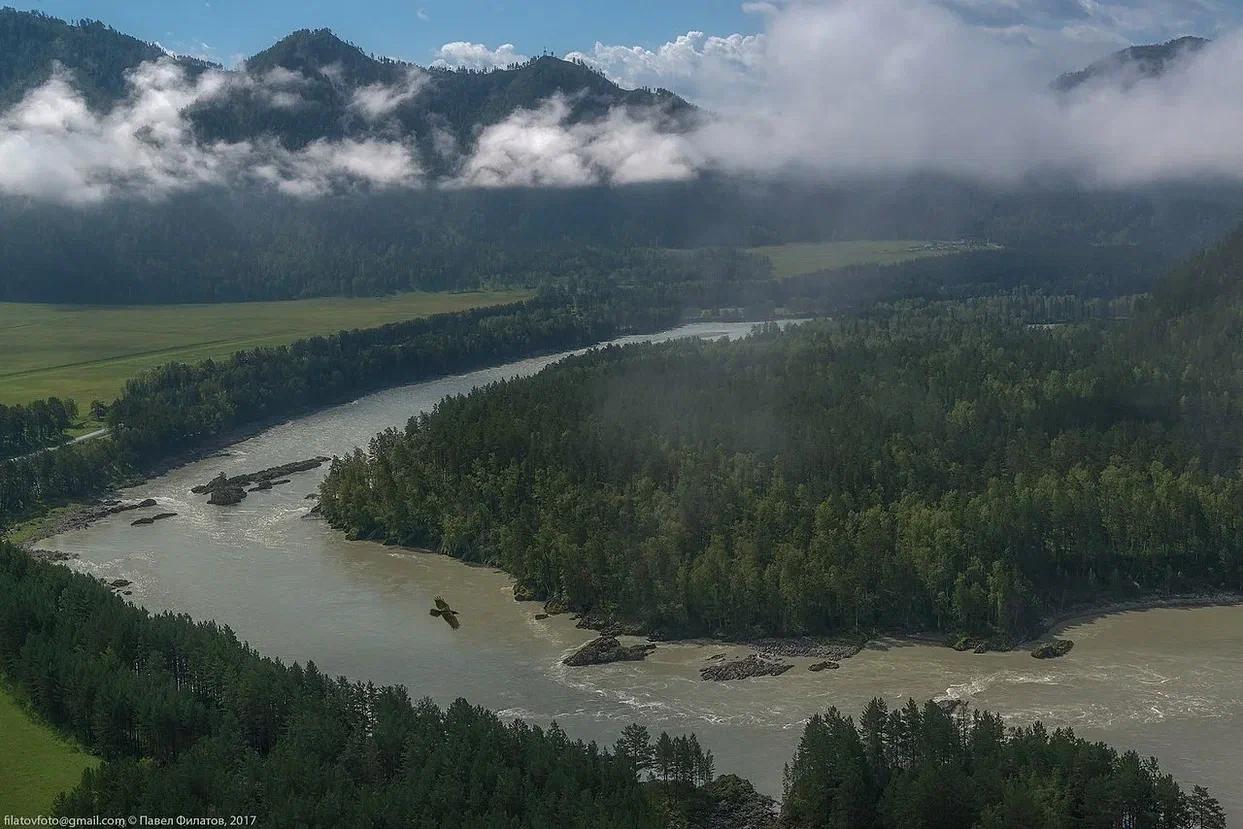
[[798, 259], [88, 352], [36, 763]]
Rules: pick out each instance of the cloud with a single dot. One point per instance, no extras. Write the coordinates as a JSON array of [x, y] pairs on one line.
[[540, 148], [378, 100], [709, 69], [872, 86], [462, 54], [960, 87], [322, 166], [830, 89], [54, 147]]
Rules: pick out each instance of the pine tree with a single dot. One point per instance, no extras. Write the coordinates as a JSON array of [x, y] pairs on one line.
[[1206, 812], [635, 746]]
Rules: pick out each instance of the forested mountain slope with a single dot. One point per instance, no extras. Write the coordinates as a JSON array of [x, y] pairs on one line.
[[98, 56], [331, 72], [943, 466]]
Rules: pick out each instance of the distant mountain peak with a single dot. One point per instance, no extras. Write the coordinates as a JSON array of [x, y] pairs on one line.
[[1133, 64], [310, 51]]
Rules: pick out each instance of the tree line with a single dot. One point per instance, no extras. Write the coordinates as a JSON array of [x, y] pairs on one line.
[[34, 425], [942, 465], [922, 768]]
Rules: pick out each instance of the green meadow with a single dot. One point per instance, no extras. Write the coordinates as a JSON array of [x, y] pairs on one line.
[[36, 763], [812, 257], [88, 352]]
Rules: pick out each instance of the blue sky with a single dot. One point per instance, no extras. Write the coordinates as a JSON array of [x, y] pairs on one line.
[[409, 29], [686, 45]]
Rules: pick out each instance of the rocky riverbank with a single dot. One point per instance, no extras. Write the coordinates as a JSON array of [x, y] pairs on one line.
[[749, 666]]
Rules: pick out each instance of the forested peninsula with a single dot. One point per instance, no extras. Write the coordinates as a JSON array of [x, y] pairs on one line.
[[951, 466]]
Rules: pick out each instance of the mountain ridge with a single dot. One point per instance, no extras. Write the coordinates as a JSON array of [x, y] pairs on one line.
[[312, 85], [1132, 64]]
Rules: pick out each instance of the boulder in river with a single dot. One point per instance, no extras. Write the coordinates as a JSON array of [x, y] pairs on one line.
[[226, 496], [119, 508], [753, 665], [607, 649], [151, 519], [539, 616], [827, 665], [522, 593], [117, 584], [1052, 650]]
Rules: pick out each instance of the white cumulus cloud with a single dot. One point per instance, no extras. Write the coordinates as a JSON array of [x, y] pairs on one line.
[[461, 54]]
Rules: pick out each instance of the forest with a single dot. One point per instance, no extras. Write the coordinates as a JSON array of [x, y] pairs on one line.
[[189, 720], [215, 246], [954, 466], [921, 767], [41, 423]]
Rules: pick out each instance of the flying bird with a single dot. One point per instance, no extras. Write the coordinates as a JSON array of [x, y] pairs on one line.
[[445, 612]]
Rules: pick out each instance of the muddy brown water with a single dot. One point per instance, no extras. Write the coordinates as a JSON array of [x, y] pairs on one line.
[[1167, 682]]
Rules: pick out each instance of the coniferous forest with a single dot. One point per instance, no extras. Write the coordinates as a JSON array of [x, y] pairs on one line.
[[952, 466]]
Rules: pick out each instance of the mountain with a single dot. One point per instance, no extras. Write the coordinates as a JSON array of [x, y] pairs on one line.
[[1131, 65], [335, 90], [31, 43], [312, 85]]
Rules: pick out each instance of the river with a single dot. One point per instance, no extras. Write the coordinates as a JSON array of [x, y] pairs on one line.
[[1167, 682]]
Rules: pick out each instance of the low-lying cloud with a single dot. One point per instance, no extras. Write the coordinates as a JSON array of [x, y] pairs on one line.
[[53, 146], [832, 88], [377, 100], [541, 148]]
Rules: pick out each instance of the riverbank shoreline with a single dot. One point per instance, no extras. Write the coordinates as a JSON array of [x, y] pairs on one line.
[[814, 646], [1178, 601]]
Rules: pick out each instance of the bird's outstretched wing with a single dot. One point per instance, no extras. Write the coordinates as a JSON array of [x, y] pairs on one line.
[[451, 618], [434, 612], [441, 603]]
